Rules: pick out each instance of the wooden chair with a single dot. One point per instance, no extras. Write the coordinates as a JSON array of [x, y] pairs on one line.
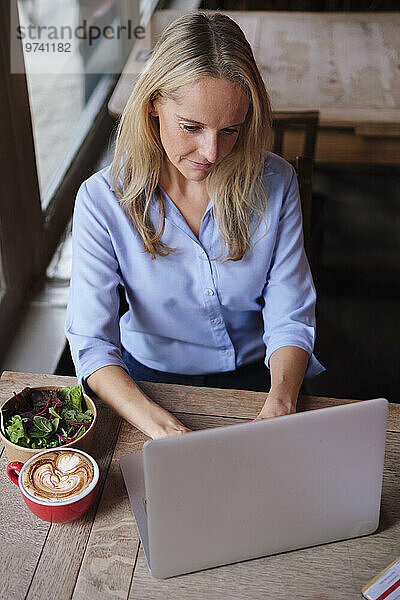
[[304, 169], [285, 123]]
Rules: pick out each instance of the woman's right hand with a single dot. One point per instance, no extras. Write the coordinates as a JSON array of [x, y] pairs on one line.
[[113, 385]]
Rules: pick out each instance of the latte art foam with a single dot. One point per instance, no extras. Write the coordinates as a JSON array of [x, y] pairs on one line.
[[58, 475]]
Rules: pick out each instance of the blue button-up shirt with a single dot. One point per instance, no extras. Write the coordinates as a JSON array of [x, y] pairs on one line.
[[189, 313]]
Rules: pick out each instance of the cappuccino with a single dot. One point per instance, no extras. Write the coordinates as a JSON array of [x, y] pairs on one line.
[[58, 475]]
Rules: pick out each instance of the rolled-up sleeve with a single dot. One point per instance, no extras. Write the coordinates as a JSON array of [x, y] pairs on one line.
[[92, 321], [289, 294]]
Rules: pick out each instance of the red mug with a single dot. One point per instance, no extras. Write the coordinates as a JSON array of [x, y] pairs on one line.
[[60, 511]]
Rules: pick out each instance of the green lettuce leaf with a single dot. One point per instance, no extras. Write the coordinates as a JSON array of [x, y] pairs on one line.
[[70, 414], [16, 431], [53, 412], [73, 396], [56, 421], [41, 427]]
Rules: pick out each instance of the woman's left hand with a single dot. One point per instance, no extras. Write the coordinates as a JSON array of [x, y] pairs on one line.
[[288, 365], [276, 406]]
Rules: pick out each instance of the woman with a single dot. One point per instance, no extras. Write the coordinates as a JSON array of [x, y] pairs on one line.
[[202, 226]]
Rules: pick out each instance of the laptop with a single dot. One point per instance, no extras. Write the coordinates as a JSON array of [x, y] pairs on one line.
[[228, 494]]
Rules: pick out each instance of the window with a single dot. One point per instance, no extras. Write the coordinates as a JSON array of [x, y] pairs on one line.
[[69, 49], [54, 121]]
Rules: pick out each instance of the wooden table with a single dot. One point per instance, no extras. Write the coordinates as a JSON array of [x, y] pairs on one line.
[[100, 555], [343, 64]]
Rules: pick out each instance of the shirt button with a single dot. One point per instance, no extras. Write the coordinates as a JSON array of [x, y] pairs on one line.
[[217, 321], [210, 292], [228, 352]]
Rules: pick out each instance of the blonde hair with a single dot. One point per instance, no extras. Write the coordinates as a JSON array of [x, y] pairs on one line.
[[194, 46]]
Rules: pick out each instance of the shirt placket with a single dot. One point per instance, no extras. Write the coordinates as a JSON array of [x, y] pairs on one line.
[[212, 304], [207, 286]]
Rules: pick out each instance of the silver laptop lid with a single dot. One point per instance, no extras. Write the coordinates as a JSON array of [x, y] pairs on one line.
[[222, 495]]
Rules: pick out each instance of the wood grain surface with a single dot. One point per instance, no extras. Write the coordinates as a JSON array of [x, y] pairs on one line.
[[239, 404], [100, 555], [110, 555], [48, 555], [343, 64]]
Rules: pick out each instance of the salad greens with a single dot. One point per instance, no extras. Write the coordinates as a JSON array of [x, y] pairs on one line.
[[46, 418], [16, 431], [73, 395]]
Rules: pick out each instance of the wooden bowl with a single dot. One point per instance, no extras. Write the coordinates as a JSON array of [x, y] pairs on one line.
[[21, 454]]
